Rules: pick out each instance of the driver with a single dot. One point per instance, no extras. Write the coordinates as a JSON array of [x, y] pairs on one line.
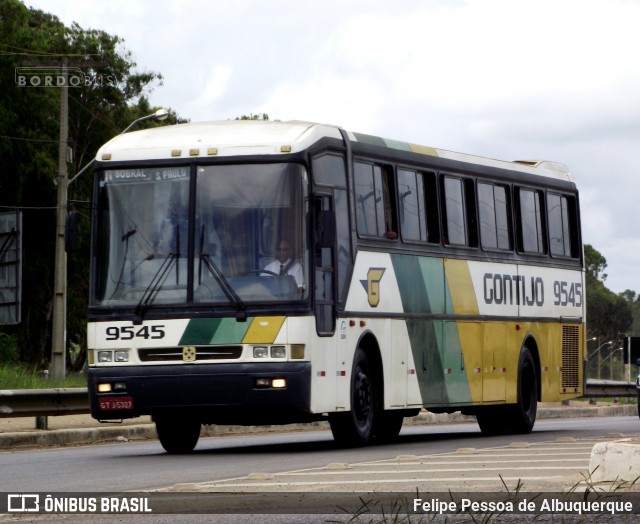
[[284, 264]]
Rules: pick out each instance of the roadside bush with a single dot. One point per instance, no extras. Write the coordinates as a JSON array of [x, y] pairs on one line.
[[8, 349]]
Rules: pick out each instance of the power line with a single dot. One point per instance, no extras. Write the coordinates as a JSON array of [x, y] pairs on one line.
[[22, 51], [29, 139], [37, 208]]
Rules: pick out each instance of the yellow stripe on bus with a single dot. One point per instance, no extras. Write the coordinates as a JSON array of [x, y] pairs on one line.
[[460, 287], [263, 330]]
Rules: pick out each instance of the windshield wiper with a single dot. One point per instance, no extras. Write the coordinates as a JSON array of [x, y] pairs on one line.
[[125, 238], [157, 281], [227, 289]]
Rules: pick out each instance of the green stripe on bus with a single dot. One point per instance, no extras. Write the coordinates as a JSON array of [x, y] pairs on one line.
[[214, 331], [230, 331], [435, 344], [421, 283], [423, 335], [411, 284]]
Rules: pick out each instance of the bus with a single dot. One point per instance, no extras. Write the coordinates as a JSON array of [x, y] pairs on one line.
[[424, 279]]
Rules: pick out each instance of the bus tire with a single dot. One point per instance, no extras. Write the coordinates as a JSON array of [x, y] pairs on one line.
[[177, 435], [639, 404], [388, 425], [355, 427], [522, 416], [492, 420]]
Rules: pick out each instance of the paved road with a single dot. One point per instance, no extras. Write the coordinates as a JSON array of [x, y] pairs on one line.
[[426, 458], [144, 465]]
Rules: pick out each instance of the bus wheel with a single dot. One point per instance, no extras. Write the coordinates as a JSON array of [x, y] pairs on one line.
[[177, 435], [355, 428], [492, 420], [523, 415], [639, 404], [388, 425]]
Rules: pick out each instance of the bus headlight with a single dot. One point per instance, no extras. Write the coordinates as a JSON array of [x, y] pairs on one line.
[[105, 356], [122, 356], [260, 352], [278, 352]]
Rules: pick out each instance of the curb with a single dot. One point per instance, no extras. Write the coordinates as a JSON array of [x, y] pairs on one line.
[[93, 435], [617, 462]]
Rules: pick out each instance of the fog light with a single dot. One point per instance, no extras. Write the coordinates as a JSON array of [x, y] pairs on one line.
[[278, 352], [105, 356], [122, 356], [260, 352], [119, 386], [104, 388], [263, 382], [278, 383]]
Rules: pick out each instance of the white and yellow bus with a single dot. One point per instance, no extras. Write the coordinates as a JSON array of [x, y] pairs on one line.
[[416, 278]]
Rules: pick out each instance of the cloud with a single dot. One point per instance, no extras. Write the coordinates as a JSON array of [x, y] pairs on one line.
[[533, 79]]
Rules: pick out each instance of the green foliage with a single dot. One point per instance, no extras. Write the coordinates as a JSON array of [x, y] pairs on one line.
[[594, 263], [9, 353], [251, 116], [21, 377], [115, 96], [609, 316]]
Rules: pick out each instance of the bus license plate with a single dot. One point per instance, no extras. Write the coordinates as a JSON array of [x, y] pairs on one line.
[[115, 403]]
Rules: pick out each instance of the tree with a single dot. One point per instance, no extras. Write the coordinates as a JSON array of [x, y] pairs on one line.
[[608, 314], [111, 95], [251, 116], [594, 263]]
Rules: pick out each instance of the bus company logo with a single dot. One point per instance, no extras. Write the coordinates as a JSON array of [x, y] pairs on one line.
[[372, 285], [189, 354], [42, 76], [23, 503]]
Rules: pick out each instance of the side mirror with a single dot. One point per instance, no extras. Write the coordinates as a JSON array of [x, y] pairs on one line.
[[638, 362], [71, 231]]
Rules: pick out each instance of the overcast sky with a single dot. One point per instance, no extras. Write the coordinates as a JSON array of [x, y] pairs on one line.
[[509, 79]]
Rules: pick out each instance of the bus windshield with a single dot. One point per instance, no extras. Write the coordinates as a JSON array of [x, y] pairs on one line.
[[243, 241]]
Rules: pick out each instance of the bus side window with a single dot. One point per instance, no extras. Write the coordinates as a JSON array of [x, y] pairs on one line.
[[531, 235], [562, 217], [418, 206], [375, 201], [389, 198], [454, 212], [494, 213]]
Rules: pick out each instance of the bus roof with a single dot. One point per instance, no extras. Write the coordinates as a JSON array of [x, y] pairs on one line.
[[257, 137]]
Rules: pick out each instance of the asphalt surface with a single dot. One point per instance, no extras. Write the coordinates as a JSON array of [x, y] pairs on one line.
[[23, 432]]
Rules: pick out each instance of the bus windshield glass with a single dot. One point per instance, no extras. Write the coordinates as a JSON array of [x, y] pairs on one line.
[[242, 242]]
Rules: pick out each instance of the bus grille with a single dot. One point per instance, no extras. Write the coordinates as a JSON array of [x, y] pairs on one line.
[[190, 353], [570, 357]]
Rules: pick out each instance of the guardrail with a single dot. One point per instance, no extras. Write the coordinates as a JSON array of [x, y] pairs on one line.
[[75, 401], [609, 388], [43, 402]]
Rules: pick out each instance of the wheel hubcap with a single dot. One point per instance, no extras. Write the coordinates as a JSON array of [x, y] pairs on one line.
[[362, 397]]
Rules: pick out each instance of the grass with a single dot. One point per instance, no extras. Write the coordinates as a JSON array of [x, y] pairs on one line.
[[15, 376]]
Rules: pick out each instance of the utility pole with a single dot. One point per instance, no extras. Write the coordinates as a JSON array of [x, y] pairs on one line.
[[59, 331]]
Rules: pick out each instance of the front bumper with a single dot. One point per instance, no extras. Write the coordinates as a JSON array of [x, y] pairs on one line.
[[213, 393]]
